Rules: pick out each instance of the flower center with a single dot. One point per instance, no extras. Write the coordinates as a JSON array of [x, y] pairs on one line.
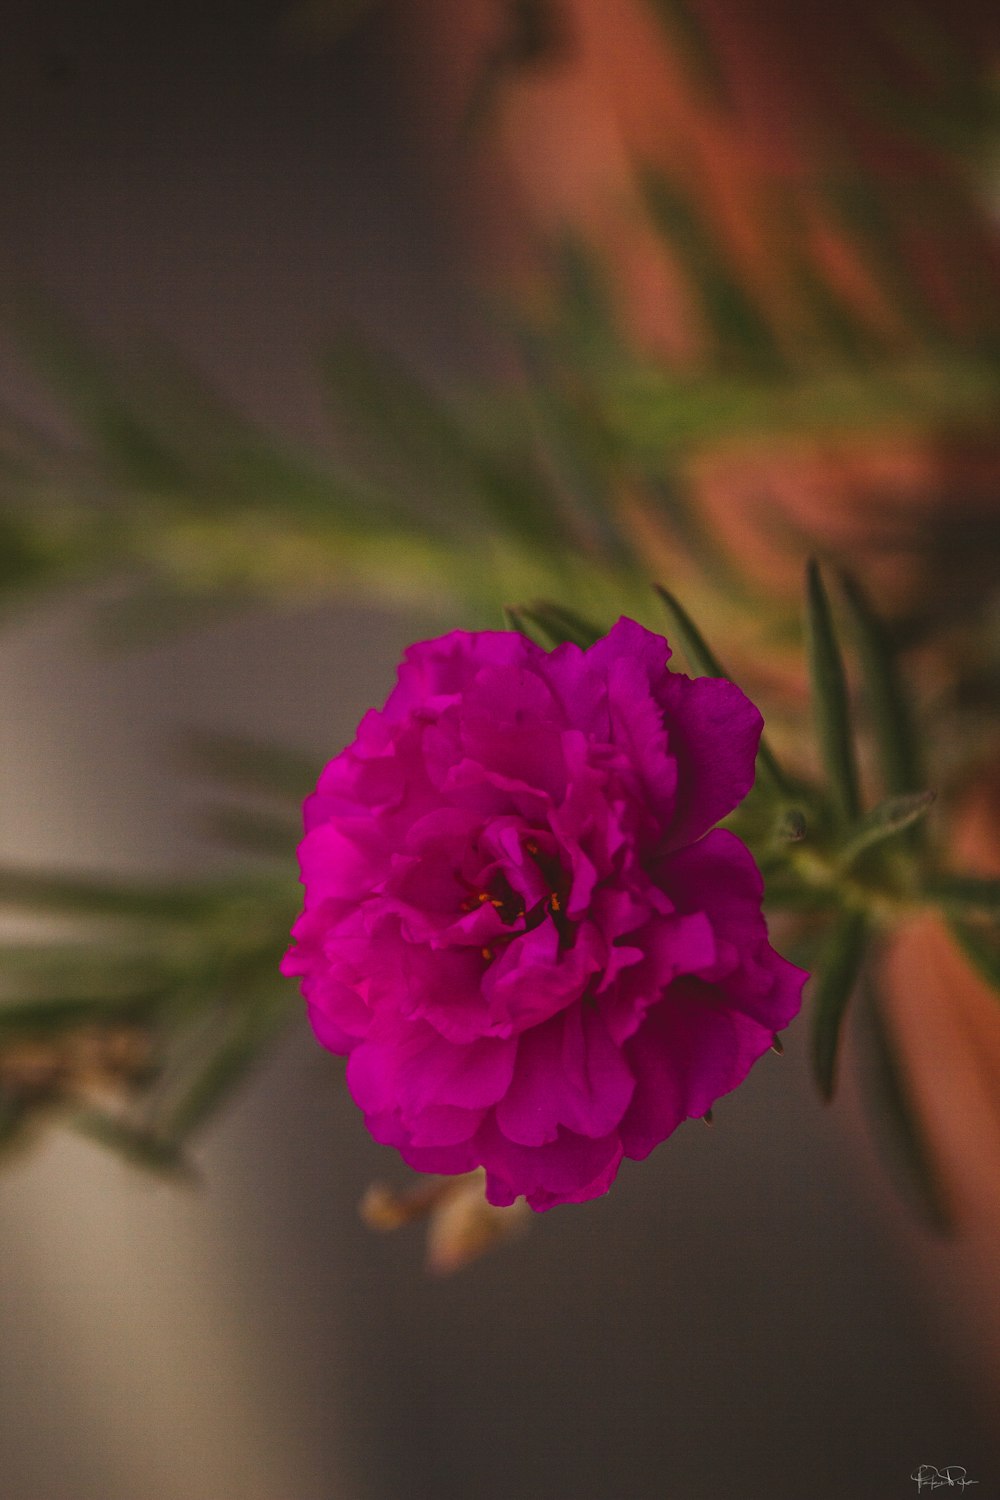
[[520, 912]]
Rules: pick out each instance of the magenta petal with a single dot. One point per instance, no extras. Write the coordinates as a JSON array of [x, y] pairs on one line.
[[570, 1169], [689, 1051], [714, 732], [445, 1159], [569, 1073], [718, 875], [417, 1068]]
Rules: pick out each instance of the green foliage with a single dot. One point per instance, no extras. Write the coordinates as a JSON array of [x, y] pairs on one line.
[[894, 730], [185, 975], [831, 710], [836, 977]]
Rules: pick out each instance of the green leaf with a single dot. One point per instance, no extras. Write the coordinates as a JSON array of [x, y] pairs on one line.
[[704, 663], [682, 513], [83, 896], [576, 452], [514, 620], [964, 893], [885, 821], [464, 475], [831, 709], [139, 1146], [896, 1113], [558, 625], [872, 226], [836, 975], [743, 336], [58, 1014], [784, 892], [981, 946], [261, 1021], [895, 731]]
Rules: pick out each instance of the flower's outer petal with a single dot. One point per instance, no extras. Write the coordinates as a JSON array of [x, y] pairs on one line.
[[690, 1050], [445, 1125], [331, 1032], [570, 1169], [336, 864], [629, 641], [719, 876], [714, 731], [448, 1160], [569, 1073], [414, 1068], [444, 667]]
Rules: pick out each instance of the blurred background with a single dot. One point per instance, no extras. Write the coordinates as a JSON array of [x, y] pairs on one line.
[[325, 326]]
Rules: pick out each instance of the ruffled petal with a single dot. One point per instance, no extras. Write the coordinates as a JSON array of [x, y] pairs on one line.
[[569, 1074]]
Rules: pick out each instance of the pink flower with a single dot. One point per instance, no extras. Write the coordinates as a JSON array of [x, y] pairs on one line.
[[517, 925]]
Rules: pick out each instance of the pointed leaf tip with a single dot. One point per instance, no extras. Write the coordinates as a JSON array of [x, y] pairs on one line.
[[831, 709], [889, 818]]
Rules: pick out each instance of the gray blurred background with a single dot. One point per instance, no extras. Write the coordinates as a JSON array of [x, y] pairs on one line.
[[748, 1313]]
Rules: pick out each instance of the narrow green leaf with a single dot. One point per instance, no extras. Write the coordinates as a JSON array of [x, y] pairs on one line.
[[872, 226], [896, 1114], [464, 474], [261, 1022], [836, 975], [704, 663], [584, 281], [138, 1146], [885, 821], [683, 514], [893, 722], [743, 335], [559, 625], [71, 895], [575, 451], [981, 946], [82, 896], [514, 620], [785, 893], [831, 709], [964, 893], [56, 1014]]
